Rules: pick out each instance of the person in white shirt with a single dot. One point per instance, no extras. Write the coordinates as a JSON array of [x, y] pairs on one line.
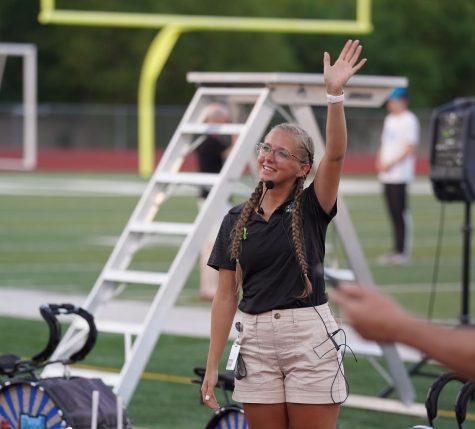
[[395, 162]]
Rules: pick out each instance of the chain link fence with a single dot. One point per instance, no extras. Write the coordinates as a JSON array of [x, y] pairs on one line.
[[114, 127]]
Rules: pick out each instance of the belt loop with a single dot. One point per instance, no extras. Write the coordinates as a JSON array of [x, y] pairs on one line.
[[249, 318]]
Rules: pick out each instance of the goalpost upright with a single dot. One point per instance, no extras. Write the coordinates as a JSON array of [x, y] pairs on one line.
[[28, 159], [172, 26]]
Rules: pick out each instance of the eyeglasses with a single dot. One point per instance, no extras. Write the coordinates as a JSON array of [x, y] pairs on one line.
[[280, 154]]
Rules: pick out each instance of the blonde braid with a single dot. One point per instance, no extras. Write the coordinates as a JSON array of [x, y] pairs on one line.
[[296, 229], [237, 232]]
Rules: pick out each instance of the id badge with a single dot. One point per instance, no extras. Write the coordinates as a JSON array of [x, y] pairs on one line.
[[233, 356]]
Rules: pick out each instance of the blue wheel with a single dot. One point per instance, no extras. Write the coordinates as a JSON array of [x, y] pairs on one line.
[[27, 406], [228, 418]]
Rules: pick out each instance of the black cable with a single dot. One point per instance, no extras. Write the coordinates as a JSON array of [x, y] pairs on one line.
[[435, 270], [330, 336], [340, 363], [337, 348], [269, 185]]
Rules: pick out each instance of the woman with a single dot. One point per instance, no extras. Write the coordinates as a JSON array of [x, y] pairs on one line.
[[272, 247]]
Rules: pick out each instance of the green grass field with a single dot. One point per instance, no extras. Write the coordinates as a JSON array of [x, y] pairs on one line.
[[57, 238]]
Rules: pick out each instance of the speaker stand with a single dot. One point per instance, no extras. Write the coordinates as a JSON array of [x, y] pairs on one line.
[[467, 235]]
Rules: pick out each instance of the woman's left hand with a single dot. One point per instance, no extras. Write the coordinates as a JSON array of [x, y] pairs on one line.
[[345, 66]]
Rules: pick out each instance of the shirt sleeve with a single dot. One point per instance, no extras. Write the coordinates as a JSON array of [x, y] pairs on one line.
[[220, 256], [310, 201], [412, 130]]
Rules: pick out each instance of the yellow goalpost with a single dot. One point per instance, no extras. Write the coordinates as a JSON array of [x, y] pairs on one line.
[[172, 26]]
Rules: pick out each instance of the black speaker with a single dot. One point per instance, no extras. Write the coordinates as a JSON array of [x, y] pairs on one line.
[[452, 157]]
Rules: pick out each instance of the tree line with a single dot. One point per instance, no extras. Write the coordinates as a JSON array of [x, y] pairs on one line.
[[430, 42]]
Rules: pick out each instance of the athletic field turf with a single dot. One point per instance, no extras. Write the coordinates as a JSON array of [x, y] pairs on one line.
[[57, 231]]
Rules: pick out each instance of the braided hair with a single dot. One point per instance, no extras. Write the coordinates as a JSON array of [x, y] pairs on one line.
[[297, 236], [305, 146], [239, 229]]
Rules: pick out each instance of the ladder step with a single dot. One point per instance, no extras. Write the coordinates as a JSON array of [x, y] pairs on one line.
[[197, 179], [131, 276], [168, 228], [223, 129], [227, 91], [114, 327]]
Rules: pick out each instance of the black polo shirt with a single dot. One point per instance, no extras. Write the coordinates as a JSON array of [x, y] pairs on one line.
[[272, 277]]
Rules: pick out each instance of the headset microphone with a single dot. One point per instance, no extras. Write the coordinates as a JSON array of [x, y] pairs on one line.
[[269, 185]]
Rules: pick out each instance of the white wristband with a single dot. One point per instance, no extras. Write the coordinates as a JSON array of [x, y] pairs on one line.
[[332, 99]]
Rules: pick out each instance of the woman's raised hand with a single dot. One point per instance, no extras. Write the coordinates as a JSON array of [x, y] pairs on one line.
[[345, 66]]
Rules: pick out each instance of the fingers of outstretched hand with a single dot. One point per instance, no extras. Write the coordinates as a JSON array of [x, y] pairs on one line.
[[350, 290], [347, 296], [344, 52], [351, 53], [356, 55], [359, 65], [363, 302], [345, 67]]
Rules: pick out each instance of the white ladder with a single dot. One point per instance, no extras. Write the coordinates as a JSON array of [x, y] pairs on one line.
[[264, 94], [164, 182]]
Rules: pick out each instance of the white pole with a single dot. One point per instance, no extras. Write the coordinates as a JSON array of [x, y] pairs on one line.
[[120, 414], [30, 111], [95, 409]]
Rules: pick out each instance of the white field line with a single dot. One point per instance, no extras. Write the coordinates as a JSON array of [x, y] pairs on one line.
[[66, 187], [413, 288], [61, 186]]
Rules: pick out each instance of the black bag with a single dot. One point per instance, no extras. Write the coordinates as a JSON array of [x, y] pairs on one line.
[[56, 403], [74, 397]]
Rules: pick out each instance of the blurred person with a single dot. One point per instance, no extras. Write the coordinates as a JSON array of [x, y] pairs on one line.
[[211, 153], [289, 367], [378, 318], [395, 167]]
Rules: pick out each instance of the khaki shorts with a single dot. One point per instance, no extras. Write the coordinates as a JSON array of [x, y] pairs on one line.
[[289, 358]]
